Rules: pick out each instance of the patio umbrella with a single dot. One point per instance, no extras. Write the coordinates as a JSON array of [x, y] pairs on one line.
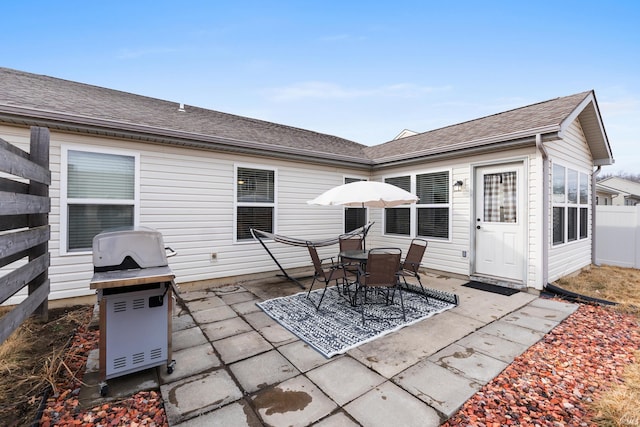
[[365, 194]]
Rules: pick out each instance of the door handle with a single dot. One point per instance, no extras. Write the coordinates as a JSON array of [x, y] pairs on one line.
[[477, 227]]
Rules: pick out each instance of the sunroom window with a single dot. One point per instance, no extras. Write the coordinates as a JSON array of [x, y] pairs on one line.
[[255, 201], [570, 205]]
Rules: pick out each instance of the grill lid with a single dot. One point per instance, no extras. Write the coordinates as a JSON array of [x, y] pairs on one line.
[[144, 246]]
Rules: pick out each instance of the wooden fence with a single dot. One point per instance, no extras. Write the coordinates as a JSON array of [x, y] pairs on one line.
[[24, 228]]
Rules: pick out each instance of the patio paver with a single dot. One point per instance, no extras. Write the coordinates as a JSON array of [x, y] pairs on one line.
[[263, 370], [261, 374]]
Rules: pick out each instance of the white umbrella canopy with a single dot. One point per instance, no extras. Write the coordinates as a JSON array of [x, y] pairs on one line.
[[365, 194]]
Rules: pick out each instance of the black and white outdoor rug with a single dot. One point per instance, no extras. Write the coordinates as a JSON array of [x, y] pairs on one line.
[[337, 327]]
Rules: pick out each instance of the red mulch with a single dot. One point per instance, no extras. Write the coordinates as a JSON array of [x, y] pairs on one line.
[[550, 384], [63, 408]]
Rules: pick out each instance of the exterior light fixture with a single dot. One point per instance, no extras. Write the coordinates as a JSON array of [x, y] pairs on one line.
[[457, 186]]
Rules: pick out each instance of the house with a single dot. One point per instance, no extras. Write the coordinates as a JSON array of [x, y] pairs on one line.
[[605, 195], [623, 192], [506, 198]]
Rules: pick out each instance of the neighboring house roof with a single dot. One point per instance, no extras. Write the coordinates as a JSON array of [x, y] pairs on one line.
[[606, 190], [620, 185], [31, 99]]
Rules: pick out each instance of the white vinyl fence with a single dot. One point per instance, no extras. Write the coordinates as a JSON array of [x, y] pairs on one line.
[[618, 235]]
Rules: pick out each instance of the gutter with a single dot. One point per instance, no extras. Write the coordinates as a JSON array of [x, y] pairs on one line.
[[118, 129], [545, 209], [593, 215]]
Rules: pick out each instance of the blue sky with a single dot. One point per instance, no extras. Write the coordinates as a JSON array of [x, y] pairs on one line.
[[361, 70]]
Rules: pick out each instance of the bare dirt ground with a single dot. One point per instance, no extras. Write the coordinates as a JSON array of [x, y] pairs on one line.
[[31, 360]]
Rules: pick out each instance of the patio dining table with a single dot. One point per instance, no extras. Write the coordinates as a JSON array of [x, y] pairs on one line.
[[357, 255]]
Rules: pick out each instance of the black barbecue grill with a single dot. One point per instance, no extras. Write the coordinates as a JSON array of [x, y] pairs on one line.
[[134, 284]]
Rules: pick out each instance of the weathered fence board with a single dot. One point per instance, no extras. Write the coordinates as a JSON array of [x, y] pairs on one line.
[[13, 243], [18, 278], [23, 204], [22, 311], [24, 222], [17, 165]]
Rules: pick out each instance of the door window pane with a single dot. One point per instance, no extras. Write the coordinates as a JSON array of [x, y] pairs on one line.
[[500, 197]]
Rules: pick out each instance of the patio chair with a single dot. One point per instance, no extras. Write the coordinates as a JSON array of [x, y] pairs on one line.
[[350, 242], [411, 264], [327, 274], [381, 278]]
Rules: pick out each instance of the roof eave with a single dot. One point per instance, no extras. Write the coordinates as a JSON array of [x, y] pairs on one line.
[[118, 129], [478, 146]]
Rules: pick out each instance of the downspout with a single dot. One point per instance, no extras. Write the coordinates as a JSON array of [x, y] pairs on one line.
[[593, 215], [545, 209]]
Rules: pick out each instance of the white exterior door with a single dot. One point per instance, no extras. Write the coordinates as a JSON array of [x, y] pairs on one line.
[[499, 221]]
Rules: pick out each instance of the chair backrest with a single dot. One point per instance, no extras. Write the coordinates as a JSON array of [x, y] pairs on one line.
[[414, 255], [382, 266], [350, 242], [317, 264]]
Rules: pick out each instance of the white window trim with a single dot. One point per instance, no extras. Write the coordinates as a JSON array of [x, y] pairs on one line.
[[64, 201], [565, 205], [413, 216], [237, 204]]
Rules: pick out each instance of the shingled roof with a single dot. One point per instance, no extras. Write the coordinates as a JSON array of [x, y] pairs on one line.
[[33, 99], [545, 118], [62, 101]]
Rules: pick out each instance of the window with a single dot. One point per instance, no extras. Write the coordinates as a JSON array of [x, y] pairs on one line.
[[433, 206], [570, 205], [99, 192], [432, 212], [255, 201], [398, 220], [354, 217]]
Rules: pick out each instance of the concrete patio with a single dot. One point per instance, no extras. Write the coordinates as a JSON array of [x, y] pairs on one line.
[[238, 367]]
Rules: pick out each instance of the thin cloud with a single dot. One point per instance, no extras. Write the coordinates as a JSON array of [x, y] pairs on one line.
[[326, 90], [134, 54]]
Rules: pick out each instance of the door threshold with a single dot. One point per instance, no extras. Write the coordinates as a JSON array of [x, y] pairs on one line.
[[499, 281]]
